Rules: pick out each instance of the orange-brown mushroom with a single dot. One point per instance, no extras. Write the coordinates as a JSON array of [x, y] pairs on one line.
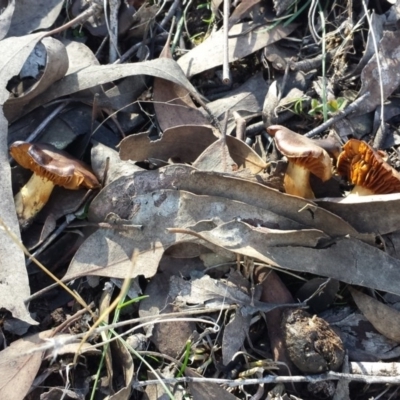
[[304, 157], [366, 169], [50, 167]]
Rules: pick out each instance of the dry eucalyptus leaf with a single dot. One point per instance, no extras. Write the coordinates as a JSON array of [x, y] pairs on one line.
[[209, 54], [189, 179], [216, 158], [368, 214], [385, 319], [246, 99], [347, 260], [360, 338], [55, 69], [172, 103], [14, 284], [229, 156], [100, 74], [207, 390], [108, 252], [168, 337], [184, 143], [31, 15], [389, 56], [5, 18], [235, 333], [79, 56], [19, 365]]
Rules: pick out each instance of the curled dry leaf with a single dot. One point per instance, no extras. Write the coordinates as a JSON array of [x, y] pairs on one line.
[[385, 319], [55, 69]]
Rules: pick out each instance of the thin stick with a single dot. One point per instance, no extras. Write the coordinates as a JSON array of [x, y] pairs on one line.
[[226, 78]]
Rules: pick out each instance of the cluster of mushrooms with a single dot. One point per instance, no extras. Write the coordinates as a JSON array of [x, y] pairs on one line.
[[356, 161]]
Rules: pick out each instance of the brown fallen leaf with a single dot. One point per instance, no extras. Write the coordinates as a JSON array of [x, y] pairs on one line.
[[375, 213], [156, 211], [19, 364], [209, 54], [385, 319], [184, 143], [100, 74], [229, 155], [189, 179], [348, 260], [173, 105]]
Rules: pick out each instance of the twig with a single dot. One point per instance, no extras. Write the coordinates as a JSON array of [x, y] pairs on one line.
[[340, 115], [95, 8], [113, 28], [226, 78]]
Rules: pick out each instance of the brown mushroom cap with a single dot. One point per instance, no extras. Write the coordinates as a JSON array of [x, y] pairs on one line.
[[55, 165], [302, 151], [364, 167]]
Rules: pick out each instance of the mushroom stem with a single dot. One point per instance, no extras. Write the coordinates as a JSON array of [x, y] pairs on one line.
[[32, 198], [297, 181], [361, 191]]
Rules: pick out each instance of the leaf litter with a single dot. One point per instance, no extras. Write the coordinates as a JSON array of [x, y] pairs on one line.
[[190, 208]]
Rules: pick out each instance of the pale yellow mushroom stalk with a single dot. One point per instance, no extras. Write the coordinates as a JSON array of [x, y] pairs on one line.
[[304, 157]]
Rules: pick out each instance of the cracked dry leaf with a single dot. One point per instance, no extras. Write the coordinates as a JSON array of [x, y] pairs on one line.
[[108, 252], [346, 259], [187, 178]]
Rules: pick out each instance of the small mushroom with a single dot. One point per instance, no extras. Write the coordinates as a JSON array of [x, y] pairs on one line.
[[304, 157], [365, 168], [50, 167]]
